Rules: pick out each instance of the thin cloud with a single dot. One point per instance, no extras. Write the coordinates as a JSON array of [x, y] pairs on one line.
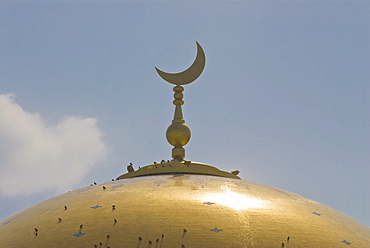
[[36, 157]]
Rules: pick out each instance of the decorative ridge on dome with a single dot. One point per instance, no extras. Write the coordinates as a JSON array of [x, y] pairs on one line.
[[177, 167]]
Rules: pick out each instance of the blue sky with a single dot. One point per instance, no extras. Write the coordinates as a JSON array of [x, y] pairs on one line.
[[284, 96]]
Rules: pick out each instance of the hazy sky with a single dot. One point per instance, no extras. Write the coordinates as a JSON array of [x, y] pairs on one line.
[[284, 96]]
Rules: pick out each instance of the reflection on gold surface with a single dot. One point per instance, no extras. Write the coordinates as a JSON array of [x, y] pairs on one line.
[[191, 211], [233, 200]]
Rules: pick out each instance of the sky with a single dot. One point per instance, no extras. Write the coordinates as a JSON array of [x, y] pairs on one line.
[[284, 96]]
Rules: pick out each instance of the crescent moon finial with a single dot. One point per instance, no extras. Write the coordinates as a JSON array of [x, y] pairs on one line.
[[178, 133], [190, 74]]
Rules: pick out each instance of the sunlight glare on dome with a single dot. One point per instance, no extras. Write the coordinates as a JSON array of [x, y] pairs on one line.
[[234, 200]]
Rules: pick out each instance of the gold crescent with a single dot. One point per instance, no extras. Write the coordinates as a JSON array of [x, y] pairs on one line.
[[190, 74]]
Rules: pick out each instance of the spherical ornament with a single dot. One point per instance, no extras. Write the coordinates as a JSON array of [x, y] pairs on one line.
[[178, 134]]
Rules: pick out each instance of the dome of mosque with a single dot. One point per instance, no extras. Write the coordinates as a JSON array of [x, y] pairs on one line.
[[181, 210], [181, 203]]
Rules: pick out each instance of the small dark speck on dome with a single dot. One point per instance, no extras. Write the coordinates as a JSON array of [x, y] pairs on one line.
[[346, 242], [79, 234]]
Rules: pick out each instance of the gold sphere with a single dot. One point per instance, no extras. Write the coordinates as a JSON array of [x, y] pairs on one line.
[[178, 134]]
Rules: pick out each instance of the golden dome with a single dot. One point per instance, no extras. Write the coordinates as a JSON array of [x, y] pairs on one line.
[[181, 204], [180, 210]]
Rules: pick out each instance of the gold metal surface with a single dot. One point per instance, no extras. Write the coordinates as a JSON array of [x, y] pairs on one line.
[[178, 133], [178, 167], [190, 74], [185, 211]]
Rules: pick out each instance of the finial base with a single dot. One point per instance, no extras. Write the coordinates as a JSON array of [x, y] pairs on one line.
[[178, 153]]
